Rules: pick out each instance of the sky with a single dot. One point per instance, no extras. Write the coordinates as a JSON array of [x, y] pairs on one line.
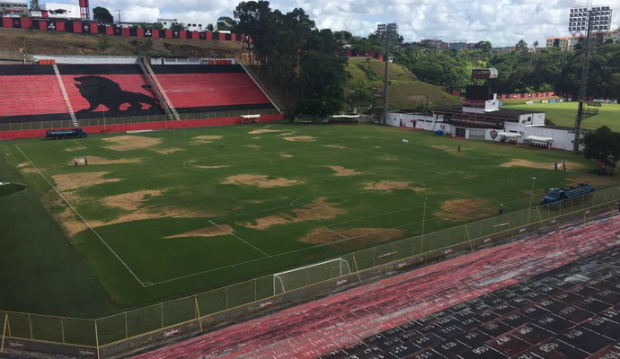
[[502, 22]]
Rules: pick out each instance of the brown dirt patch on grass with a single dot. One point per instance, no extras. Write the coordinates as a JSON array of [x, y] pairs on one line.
[[71, 181], [452, 150], [68, 220], [464, 209], [317, 210], [252, 146], [94, 160], [130, 201], [127, 143], [335, 146], [300, 139], [528, 164], [344, 172], [213, 231], [136, 209], [263, 130], [204, 139], [260, 181], [286, 155], [25, 167], [388, 159], [538, 165], [167, 151], [75, 148], [389, 186], [358, 235]]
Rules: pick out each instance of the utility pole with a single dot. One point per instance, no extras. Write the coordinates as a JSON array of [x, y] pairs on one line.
[[387, 31], [119, 16]]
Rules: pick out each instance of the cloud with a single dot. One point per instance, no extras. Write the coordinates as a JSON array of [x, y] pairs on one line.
[[503, 22]]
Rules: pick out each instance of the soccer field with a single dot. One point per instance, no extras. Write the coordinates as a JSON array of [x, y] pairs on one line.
[[563, 114], [160, 214]]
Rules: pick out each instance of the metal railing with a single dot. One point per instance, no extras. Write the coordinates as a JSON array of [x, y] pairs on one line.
[[104, 120], [204, 310]]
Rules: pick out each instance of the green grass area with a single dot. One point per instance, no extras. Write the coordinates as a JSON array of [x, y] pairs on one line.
[[563, 114], [170, 214], [404, 90]]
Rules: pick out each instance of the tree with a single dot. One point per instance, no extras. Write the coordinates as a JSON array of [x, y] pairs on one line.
[[521, 45], [210, 27], [226, 23], [603, 145], [535, 45], [484, 46], [102, 16], [177, 26]]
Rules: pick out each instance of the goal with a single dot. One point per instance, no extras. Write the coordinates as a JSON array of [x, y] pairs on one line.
[[310, 274]]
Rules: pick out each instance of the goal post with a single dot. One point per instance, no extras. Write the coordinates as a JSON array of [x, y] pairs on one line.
[[314, 273]]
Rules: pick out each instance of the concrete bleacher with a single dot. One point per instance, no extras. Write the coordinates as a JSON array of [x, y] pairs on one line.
[[210, 88], [30, 94], [548, 296]]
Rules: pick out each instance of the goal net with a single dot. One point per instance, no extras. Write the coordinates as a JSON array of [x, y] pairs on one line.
[[310, 274]]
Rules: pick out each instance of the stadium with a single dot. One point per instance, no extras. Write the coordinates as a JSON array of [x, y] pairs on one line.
[[169, 207]]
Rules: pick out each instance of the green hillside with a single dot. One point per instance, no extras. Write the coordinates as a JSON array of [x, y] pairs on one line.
[[404, 91]]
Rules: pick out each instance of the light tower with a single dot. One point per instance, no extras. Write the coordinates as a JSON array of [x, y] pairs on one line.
[[84, 10], [581, 22], [386, 32]]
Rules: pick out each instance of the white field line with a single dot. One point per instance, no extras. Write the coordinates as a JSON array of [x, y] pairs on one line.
[[275, 255], [82, 218], [79, 144], [336, 233], [239, 238]]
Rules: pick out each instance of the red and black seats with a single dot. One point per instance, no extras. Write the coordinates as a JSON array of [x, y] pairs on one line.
[[208, 88], [30, 93]]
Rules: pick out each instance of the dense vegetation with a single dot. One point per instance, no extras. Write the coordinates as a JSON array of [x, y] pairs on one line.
[[519, 70], [303, 60]]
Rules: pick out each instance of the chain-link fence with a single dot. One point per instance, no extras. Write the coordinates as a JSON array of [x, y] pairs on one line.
[[202, 310], [105, 121]]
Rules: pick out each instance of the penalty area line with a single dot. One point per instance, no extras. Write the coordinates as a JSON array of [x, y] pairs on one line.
[[82, 218], [79, 144], [239, 238]]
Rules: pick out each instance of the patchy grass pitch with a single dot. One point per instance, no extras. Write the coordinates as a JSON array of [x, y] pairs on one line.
[[563, 114], [160, 214]]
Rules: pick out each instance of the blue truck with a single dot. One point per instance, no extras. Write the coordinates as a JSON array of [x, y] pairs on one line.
[[560, 194], [69, 133]]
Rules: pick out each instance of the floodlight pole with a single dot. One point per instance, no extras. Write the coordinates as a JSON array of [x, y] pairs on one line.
[[385, 82], [584, 87]]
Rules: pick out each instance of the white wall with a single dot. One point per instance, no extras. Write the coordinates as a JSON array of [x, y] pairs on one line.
[[422, 122], [89, 60], [72, 11], [562, 138]]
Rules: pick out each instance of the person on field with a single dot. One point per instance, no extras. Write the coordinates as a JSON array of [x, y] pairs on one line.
[[564, 165], [500, 209], [458, 149], [221, 145], [85, 161], [75, 162], [555, 166]]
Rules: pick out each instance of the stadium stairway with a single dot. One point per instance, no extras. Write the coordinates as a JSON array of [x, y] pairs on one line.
[[30, 93], [210, 88], [556, 295], [65, 97]]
